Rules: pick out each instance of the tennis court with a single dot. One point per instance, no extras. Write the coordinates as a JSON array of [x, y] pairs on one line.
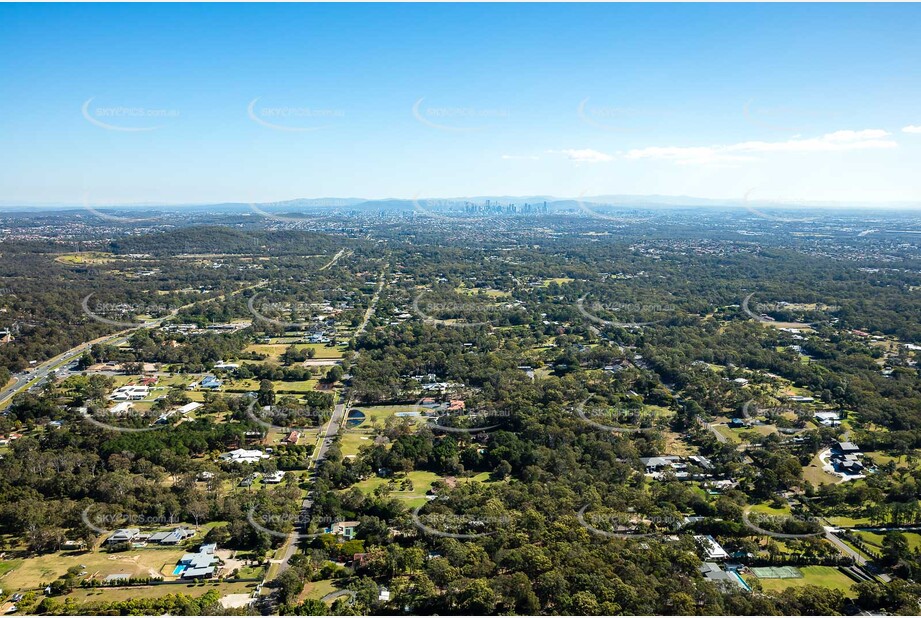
[[782, 572]]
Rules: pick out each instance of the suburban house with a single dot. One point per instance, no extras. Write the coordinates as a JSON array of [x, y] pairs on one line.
[[123, 535], [344, 529], [189, 407], [845, 458], [656, 466], [121, 408], [275, 477], [200, 565], [242, 455], [715, 573], [210, 382], [130, 392], [712, 549], [846, 447], [292, 438], [171, 537], [828, 418]]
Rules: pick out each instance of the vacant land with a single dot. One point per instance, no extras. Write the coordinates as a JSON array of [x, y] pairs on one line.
[[30, 572]]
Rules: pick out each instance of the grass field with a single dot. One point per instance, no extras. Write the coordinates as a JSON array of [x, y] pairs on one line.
[[295, 387], [151, 592], [875, 539], [34, 571], [318, 589], [350, 442], [491, 293], [727, 432], [275, 350], [825, 577], [422, 482], [767, 509], [816, 475], [85, 257]]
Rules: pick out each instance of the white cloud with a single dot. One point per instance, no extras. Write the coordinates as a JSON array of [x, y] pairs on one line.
[[830, 142], [912, 128], [586, 155]]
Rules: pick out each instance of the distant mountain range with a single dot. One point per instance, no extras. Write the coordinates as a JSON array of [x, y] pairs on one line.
[[554, 204]]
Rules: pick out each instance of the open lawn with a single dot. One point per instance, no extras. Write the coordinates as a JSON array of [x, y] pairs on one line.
[[816, 475], [767, 509], [825, 577], [85, 257], [421, 483], [34, 571], [88, 595], [295, 387], [490, 292], [317, 589], [727, 432], [275, 350], [350, 442], [875, 539], [848, 522], [557, 280]]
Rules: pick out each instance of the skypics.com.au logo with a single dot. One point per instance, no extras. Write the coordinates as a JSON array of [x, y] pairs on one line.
[[472, 312], [107, 312], [458, 525], [102, 520], [292, 119], [300, 526], [792, 526], [617, 419], [265, 310], [593, 310], [457, 119], [285, 419], [626, 525], [126, 119]]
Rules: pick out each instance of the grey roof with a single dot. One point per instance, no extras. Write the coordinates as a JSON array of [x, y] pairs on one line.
[[123, 534], [201, 572], [177, 535], [658, 462]]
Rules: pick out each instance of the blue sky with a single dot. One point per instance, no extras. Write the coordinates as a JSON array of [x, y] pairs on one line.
[[203, 103]]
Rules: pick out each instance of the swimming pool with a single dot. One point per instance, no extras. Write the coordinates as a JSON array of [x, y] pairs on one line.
[[741, 581], [179, 569]]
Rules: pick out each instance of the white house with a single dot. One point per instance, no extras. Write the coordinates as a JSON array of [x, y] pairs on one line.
[[711, 548], [129, 392], [828, 418], [121, 409], [242, 455], [189, 407]]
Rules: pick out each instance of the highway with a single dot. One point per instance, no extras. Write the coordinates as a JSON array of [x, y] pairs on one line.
[[27, 380]]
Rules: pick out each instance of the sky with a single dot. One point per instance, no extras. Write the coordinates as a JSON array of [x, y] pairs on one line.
[[165, 104]]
